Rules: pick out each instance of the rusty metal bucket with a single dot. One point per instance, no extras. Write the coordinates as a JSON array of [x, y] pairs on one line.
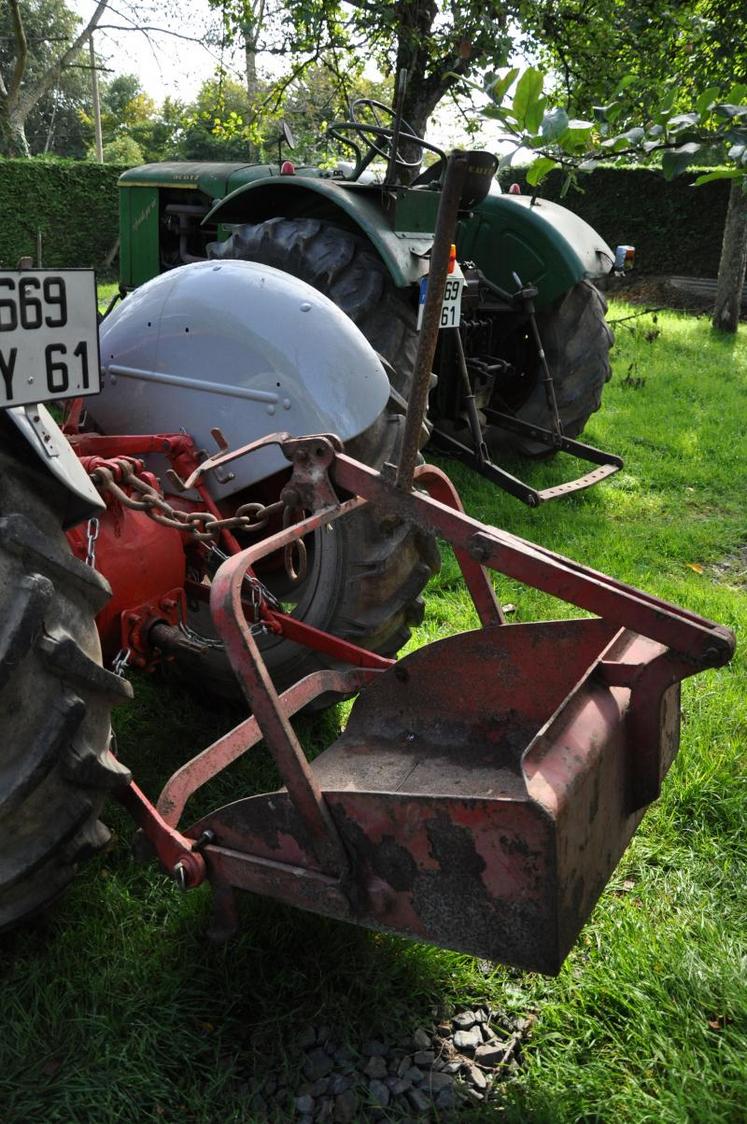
[[485, 786], [485, 804]]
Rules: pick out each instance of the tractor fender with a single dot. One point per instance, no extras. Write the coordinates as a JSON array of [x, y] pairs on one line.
[[45, 438], [544, 244], [351, 205], [241, 347]]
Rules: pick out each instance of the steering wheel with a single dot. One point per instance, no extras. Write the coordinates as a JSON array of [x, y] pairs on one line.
[[379, 137]]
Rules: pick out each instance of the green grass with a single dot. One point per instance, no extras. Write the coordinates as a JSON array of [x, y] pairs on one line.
[[105, 291], [117, 1009]]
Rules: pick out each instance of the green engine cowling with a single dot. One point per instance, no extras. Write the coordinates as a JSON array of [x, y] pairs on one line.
[[170, 211]]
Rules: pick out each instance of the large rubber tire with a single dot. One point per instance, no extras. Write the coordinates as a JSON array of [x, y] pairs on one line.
[[577, 342], [55, 697], [365, 580]]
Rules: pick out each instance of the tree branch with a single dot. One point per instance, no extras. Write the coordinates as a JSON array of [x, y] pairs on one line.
[[27, 101], [22, 47], [146, 29]]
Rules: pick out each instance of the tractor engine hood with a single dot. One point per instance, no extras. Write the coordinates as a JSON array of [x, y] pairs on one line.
[[238, 346]]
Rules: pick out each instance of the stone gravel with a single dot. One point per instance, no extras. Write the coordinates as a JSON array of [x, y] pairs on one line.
[[427, 1076]]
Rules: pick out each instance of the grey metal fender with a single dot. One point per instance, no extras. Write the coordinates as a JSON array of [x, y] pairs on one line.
[[48, 442], [238, 346]]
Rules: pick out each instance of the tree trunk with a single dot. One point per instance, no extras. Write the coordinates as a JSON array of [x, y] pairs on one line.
[[250, 69], [251, 29], [12, 134], [733, 261]]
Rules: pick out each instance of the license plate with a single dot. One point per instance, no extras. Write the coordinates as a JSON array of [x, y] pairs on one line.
[[451, 309], [49, 343]]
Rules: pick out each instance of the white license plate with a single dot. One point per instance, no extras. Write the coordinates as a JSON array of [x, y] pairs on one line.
[[49, 343], [451, 309]]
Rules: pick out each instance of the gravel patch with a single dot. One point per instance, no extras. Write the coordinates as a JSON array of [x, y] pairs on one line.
[[428, 1076]]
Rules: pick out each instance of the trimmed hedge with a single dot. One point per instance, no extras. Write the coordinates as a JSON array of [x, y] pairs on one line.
[[72, 202], [676, 228]]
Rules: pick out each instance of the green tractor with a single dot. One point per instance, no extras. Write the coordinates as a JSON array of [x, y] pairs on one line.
[[524, 356]]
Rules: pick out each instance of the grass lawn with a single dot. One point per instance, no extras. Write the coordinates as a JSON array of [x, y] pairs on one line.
[[118, 1009]]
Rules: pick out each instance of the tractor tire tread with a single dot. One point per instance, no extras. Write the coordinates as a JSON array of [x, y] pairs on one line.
[[55, 698], [577, 342]]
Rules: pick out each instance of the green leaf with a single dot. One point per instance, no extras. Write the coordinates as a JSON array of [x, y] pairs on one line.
[[721, 174], [737, 95], [668, 100], [575, 141], [539, 168], [730, 110], [555, 123], [528, 92], [675, 161], [618, 143], [504, 115], [535, 113], [707, 100], [624, 82], [682, 121], [497, 89]]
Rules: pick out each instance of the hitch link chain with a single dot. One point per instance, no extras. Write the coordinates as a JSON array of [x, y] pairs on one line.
[[202, 524], [92, 533], [124, 472], [121, 662]]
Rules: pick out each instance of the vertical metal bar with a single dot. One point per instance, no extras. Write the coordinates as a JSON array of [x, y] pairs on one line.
[[476, 578], [259, 690], [481, 449], [443, 238]]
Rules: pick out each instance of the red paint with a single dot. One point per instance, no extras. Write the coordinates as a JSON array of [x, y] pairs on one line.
[[140, 559], [484, 787]]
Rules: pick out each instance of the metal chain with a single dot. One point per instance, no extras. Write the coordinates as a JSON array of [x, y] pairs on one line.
[[121, 662], [259, 591], [295, 557], [204, 525], [92, 533]]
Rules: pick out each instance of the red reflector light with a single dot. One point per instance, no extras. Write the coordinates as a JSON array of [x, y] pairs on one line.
[[287, 168], [452, 258]]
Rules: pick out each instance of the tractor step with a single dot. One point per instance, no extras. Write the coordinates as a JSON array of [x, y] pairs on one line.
[[608, 463]]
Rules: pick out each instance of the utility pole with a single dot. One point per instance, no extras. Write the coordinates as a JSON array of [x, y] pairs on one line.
[[96, 104]]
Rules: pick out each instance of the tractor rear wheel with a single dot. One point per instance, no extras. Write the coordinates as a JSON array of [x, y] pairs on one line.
[[577, 342], [55, 697], [364, 578]]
